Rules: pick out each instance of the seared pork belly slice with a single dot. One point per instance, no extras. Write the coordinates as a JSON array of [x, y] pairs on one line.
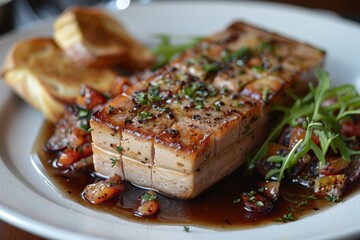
[[183, 148], [138, 136], [191, 123], [188, 184]]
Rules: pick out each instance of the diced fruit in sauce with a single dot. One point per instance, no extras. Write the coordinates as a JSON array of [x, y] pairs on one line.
[[334, 165], [330, 186], [297, 133], [254, 202], [72, 155], [350, 129], [89, 98], [269, 189], [307, 176], [148, 205], [102, 191], [263, 166]]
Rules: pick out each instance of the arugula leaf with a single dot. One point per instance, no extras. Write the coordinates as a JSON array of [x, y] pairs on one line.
[[321, 119]]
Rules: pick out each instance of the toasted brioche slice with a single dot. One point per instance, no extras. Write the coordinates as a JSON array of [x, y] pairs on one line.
[[90, 36], [41, 74]]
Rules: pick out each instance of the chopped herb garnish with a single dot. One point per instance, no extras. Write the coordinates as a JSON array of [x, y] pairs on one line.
[[114, 161], [83, 113], [218, 105], [128, 121], [265, 94], [119, 149], [145, 115], [266, 47], [199, 105], [238, 200], [258, 69], [242, 54], [141, 98], [110, 109], [149, 196], [210, 67], [186, 229], [289, 217], [332, 198], [84, 127]]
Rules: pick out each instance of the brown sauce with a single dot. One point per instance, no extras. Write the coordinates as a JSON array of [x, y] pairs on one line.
[[212, 209]]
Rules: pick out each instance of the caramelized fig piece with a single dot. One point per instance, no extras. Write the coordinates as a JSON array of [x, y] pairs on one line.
[[350, 129], [73, 155], [263, 166], [148, 205], [309, 173], [269, 189], [102, 191], [254, 202], [297, 133], [330, 186], [334, 165], [89, 98]]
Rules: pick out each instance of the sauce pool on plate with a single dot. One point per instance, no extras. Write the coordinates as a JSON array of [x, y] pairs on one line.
[[217, 208]]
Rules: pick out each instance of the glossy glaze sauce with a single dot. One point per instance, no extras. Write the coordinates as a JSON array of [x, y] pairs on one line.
[[215, 208]]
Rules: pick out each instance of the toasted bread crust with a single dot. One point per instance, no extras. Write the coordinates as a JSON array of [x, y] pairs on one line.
[[91, 37], [41, 74]]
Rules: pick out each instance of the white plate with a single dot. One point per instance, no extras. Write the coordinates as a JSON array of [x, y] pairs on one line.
[[28, 202]]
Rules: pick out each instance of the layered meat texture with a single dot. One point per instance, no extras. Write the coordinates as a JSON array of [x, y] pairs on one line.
[[192, 122]]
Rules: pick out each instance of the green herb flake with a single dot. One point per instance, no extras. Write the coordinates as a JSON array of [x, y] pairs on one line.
[[119, 149], [236, 201], [332, 198], [145, 115], [266, 47], [149, 196], [83, 113], [289, 217], [210, 67], [110, 109], [186, 228], [114, 161]]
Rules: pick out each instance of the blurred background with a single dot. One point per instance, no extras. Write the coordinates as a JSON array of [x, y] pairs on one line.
[[15, 13]]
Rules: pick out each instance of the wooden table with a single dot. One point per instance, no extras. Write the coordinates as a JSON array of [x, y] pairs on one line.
[[9, 232], [347, 8]]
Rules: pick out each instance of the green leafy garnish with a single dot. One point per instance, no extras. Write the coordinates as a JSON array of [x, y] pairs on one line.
[[166, 50], [318, 119]]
